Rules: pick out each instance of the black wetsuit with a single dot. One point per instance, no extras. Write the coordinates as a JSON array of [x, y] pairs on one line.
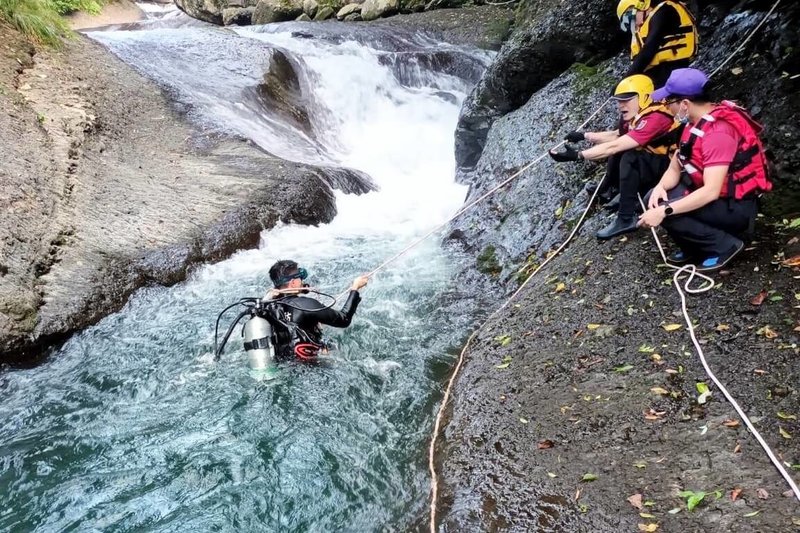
[[665, 21], [309, 315]]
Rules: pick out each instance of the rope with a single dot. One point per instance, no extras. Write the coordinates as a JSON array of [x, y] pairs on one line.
[[692, 271]]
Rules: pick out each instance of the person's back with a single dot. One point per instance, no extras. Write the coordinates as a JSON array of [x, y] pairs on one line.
[[298, 333]]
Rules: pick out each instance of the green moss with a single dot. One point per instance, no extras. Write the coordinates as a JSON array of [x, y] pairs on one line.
[[487, 262], [589, 78]]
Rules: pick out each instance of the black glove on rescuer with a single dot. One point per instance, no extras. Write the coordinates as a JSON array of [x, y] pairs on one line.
[[569, 154], [575, 136]]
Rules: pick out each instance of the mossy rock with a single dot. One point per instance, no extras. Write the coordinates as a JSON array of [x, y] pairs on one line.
[[487, 262]]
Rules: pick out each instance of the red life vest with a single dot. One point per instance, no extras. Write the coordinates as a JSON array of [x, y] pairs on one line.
[[748, 174]]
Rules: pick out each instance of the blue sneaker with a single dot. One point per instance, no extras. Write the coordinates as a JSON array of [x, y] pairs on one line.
[[717, 262]]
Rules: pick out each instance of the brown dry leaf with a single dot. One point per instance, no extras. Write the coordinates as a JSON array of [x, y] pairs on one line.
[[636, 501], [758, 299], [738, 448], [762, 494], [759, 371], [659, 390], [648, 528], [767, 332], [545, 444], [735, 494], [651, 414], [731, 423], [722, 327], [671, 327], [792, 261]]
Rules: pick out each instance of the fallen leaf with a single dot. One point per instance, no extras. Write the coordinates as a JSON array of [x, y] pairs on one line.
[[786, 416], [502, 365], [545, 444], [646, 349], [551, 474], [676, 510], [795, 520], [577, 494], [792, 261], [648, 528], [646, 515], [623, 368], [560, 287], [738, 448], [785, 434], [758, 299], [523, 420], [731, 423], [671, 327], [649, 503], [589, 477], [735, 494], [659, 390], [759, 371], [767, 332], [636, 501], [651, 414], [737, 70], [671, 371], [640, 464], [593, 326], [752, 514], [762, 494], [722, 327]]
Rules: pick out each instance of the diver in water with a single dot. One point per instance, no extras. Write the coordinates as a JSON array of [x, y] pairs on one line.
[[304, 315]]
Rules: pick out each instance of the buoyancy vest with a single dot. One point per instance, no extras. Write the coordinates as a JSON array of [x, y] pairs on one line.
[[289, 339], [748, 173], [666, 143], [676, 46]]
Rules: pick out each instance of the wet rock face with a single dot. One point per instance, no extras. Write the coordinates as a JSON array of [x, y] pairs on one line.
[[551, 37], [568, 386], [282, 92]]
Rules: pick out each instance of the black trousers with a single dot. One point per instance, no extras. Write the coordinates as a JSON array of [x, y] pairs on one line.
[[639, 171], [712, 230], [661, 72]]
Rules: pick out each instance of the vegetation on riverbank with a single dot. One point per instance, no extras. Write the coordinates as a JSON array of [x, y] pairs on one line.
[[41, 20]]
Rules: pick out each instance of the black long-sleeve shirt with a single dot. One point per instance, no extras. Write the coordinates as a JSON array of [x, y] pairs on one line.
[[663, 22], [309, 316]]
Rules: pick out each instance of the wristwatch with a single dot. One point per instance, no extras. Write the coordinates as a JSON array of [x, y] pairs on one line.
[[668, 210]]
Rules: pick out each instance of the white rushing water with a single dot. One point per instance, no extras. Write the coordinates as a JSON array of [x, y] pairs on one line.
[[132, 426]]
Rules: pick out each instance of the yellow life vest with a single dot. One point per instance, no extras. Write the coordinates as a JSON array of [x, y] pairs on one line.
[[676, 46], [664, 144]]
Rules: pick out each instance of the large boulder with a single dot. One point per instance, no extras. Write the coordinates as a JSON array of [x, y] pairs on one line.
[[374, 9], [240, 16], [214, 11], [347, 10], [277, 11], [310, 7], [324, 13]]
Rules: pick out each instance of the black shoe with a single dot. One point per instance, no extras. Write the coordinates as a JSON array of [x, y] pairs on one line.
[[717, 262], [678, 258], [613, 204], [620, 226], [607, 195]]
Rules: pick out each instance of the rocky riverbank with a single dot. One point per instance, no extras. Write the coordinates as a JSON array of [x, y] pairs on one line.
[[108, 188], [577, 408]]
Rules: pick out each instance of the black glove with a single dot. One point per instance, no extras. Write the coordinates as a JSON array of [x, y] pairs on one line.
[[569, 154], [575, 136]]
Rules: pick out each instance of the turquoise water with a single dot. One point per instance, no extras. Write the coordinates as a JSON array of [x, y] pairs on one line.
[[132, 426]]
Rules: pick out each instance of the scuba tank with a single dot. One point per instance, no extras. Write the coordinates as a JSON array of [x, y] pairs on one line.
[[269, 334], [257, 333]]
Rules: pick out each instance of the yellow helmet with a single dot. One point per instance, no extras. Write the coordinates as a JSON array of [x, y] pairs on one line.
[[626, 5], [636, 85]]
